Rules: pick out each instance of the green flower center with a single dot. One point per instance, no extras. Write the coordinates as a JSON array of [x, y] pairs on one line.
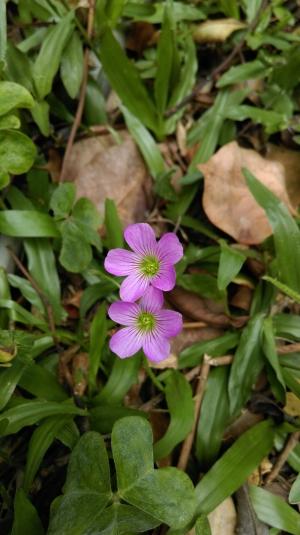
[[149, 266], [146, 321]]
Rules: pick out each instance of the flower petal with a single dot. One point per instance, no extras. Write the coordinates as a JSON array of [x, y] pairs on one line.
[[120, 262], [126, 342], [133, 287], [156, 348], [141, 238], [169, 322], [169, 248], [152, 299], [165, 279], [124, 313]]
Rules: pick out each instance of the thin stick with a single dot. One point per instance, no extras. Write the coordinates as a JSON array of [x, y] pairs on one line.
[[194, 324], [288, 448], [221, 361], [188, 443], [220, 68], [39, 291], [290, 348], [80, 107]]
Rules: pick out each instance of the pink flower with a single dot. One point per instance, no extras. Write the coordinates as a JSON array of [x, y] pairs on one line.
[[149, 263], [147, 326]]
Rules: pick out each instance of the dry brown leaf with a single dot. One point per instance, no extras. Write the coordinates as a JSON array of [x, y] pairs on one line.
[[290, 159], [242, 298], [292, 406], [217, 30], [223, 519], [102, 169], [227, 200]]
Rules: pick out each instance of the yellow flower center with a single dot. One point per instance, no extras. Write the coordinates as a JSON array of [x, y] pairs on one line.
[[146, 321], [149, 266]]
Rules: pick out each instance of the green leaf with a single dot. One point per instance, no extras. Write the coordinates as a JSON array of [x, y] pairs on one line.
[[214, 416], [287, 326], [113, 225], [167, 494], [202, 526], [283, 288], [40, 441], [9, 122], [26, 519], [231, 262], [76, 253], [103, 417], [164, 60], [223, 479], [294, 496], [27, 224], [285, 230], [98, 332], [71, 70], [244, 72], [125, 80], [62, 199], [40, 114], [247, 364], [17, 152], [87, 219], [9, 379], [270, 351], [27, 290], [3, 32], [202, 284], [86, 491], [180, 402], [192, 355], [47, 62], [43, 384], [31, 412], [123, 375], [272, 120], [146, 143], [14, 96], [274, 511]]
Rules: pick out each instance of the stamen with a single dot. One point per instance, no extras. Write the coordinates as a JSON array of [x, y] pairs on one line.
[[149, 266], [146, 321]]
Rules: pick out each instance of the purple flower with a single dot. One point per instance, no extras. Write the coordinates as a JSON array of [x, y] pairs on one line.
[[149, 263], [147, 326]]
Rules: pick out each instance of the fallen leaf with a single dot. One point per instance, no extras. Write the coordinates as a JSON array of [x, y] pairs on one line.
[[247, 521], [264, 468], [217, 30], [140, 36], [102, 168], [242, 298], [290, 159], [227, 200], [292, 406], [223, 519]]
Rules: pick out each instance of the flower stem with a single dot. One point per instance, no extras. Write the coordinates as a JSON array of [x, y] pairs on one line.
[[153, 376]]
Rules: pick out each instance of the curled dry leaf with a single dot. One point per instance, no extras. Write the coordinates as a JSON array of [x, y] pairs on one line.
[[217, 30], [290, 159], [223, 519], [227, 200], [102, 168], [247, 521]]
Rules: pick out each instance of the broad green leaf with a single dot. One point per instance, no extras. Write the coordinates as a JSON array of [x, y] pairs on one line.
[[125, 80], [3, 32], [246, 71], [123, 519], [31, 412], [113, 225], [40, 441], [26, 519], [47, 62], [294, 496], [20, 314], [27, 224], [214, 416], [86, 491], [103, 417], [42, 266], [40, 114], [202, 526], [17, 152], [98, 333], [285, 230], [291, 381], [14, 96], [272, 120], [164, 59], [231, 262], [9, 379], [43, 384], [62, 199], [154, 14], [87, 219], [167, 494], [202, 284], [123, 375], [146, 143], [270, 351], [76, 253], [35, 39], [274, 511], [223, 479], [192, 356], [27, 290], [71, 69], [287, 326], [9, 122], [94, 104], [180, 402], [247, 364], [18, 67]]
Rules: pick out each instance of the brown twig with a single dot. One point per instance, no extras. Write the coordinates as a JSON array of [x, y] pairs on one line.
[[188, 443], [194, 324], [288, 448], [220, 68], [221, 361], [43, 297], [290, 348], [80, 106]]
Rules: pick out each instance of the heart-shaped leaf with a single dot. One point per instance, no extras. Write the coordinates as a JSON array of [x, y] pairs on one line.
[[14, 96], [17, 152], [167, 494]]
